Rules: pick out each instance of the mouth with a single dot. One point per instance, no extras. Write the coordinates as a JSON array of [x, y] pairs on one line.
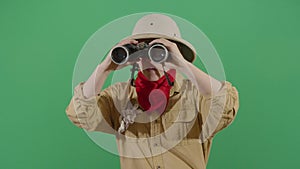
[[151, 68]]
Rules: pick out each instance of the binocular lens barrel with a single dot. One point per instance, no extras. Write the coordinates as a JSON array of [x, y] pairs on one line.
[[119, 55], [157, 53]]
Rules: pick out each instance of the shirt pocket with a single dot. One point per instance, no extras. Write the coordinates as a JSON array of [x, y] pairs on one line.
[[177, 124]]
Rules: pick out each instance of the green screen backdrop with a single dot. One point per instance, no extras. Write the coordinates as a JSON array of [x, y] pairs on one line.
[[257, 41]]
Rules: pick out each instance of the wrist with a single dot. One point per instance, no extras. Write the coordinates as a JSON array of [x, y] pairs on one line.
[[104, 67], [184, 64]]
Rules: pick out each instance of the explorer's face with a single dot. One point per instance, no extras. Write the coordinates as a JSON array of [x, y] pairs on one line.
[[151, 70]]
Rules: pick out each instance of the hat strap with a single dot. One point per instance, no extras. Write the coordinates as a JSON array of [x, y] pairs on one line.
[[133, 69], [167, 77]]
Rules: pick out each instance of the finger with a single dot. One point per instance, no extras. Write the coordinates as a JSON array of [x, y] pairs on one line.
[[161, 40], [134, 41], [131, 41], [127, 41], [155, 41]]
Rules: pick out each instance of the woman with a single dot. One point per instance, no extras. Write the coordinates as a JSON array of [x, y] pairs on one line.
[[161, 120]]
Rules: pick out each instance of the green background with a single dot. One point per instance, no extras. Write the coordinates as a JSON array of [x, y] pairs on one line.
[[257, 40]]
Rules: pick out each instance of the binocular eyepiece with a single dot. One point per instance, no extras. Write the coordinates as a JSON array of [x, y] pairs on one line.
[[129, 52]]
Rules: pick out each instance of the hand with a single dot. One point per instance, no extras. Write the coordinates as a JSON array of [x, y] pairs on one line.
[[109, 64], [175, 58]]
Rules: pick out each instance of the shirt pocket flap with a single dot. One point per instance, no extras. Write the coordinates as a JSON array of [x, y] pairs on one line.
[[177, 125]]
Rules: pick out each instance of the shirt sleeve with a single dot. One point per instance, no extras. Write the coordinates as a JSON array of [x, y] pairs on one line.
[[218, 111], [91, 114]]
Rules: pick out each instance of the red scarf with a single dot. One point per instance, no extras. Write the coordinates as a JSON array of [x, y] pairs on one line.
[[154, 95]]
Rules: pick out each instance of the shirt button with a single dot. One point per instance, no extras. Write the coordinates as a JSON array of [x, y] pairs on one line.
[[158, 167], [155, 144]]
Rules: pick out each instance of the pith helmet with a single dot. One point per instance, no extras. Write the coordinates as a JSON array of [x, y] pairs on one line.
[[162, 26]]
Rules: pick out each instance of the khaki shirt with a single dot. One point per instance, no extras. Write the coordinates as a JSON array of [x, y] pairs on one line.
[[179, 138]]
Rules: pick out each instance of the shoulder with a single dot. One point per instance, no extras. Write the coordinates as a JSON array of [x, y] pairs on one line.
[[118, 89]]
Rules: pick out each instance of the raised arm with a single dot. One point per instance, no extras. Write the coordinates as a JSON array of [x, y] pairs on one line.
[[95, 82], [218, 102], [205, 84], [90, 107]]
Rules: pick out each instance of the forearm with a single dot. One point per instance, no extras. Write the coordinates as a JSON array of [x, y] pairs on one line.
[[95, 82], [205, 84]]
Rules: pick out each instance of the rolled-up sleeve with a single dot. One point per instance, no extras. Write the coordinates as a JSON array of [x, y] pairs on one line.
[[91, 114], [218, 111]]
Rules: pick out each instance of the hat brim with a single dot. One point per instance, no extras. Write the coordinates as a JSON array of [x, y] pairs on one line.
[[186, 49]]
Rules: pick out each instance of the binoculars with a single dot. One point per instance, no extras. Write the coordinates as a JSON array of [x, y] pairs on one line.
[[129, 52]]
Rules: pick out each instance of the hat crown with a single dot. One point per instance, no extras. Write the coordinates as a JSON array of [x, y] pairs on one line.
[[157, 24]]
